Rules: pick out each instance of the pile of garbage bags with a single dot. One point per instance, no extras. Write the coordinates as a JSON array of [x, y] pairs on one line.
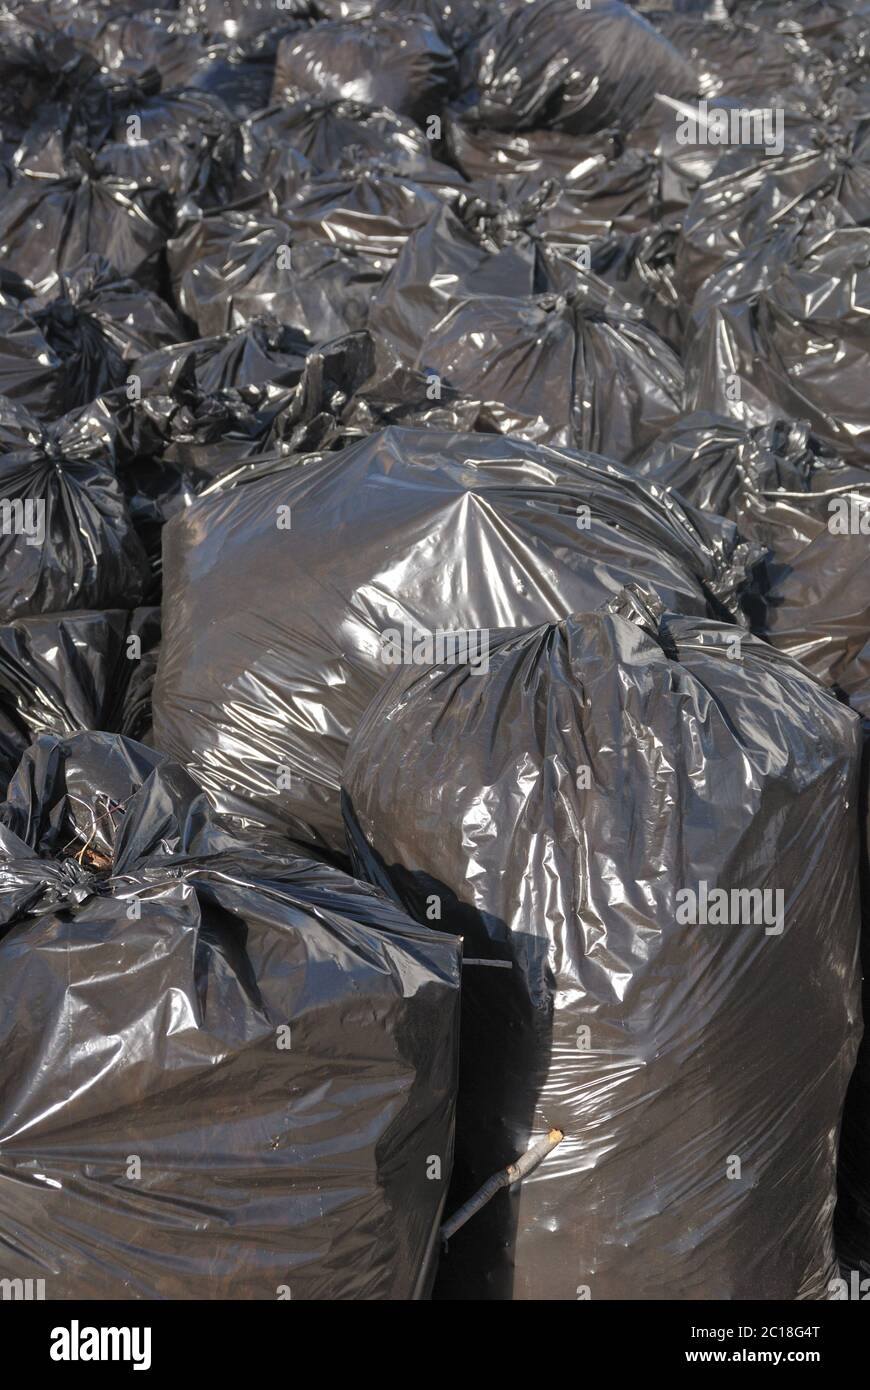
[[434, 648], [274, 644]]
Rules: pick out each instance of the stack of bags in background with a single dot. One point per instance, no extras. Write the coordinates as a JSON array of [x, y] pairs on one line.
[[434, 646]]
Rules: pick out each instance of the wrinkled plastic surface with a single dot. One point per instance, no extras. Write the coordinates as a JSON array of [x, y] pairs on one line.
[[755, 65], [234, 233], [68, 540], [208, 403], [852, 1220], [241, 19], [363, 204], [810, 511], [273, 1040], [397, 61], [493, 300], [61, 349], [558, 66], [781, 331], [88, 209], [131, 45], [441, 265], [234, 267], [555, 806], [185, 142], [322, 133], [277, 592], [748, 200], [70, 672], [580, 369]]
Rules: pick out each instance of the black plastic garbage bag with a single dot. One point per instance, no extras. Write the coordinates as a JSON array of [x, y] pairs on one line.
[[41, 73], [323, 133], [853, 1208], [366, 204], [750, 199], [67, 672], [782, 332], [852, 1218], [72, 18], [270, 170], [641, 268], [195, 410], [349, 9], [183, 141], [207, 403], [66, 537], [232, 267], [604, 211], [440, 266], [133, 434], [809, 511], [581, 369], [393, 60], [204, 436], [63, 348], [838, 28], [128, 44], [456, 22], [264, 353], [350, 202], [648, 847], [278, 592], [245, 19], [484, 154], [553, 64], [756, 155], [258, 1080], [48, 224], [591, 189], [757, 66], [346, 393], [342, 395], [241, 75]]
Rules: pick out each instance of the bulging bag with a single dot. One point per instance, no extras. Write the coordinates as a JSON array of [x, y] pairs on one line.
[[642, 825], [254, 1098], [809, 511], [552, 64], [69, 672], [67, 539], [291, 596]]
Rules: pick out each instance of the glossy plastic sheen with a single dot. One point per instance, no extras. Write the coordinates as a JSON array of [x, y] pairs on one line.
[[74, 671], [806, 508], [557, 806], [273, 1042], [274, 618]]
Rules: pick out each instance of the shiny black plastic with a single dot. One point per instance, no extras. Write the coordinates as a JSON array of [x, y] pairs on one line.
[[558, 808], [255, 1099], [70, 672], [67, 539], [809, 511], [277, 591], [557, 65]]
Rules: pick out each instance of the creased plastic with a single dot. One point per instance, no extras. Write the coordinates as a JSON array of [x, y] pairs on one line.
[[273, 636], [558, 807], [273, 1041]]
